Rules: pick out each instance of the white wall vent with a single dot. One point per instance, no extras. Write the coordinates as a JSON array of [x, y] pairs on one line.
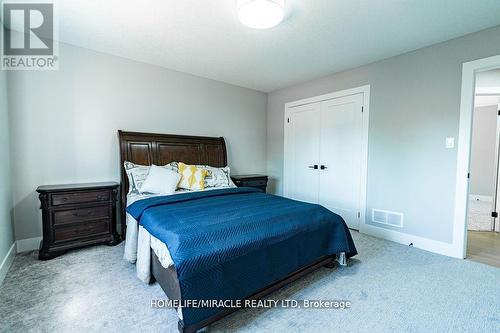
[[386, 217]]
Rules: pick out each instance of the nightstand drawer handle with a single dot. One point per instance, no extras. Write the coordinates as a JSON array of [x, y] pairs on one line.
[[100, 197], [82, 215], [64, 199]]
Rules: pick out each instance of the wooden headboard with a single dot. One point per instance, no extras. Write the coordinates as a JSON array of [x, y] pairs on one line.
[[161, 149]]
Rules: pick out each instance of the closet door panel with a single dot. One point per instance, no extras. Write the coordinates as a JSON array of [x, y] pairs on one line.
[[305, 153], [340, 155]]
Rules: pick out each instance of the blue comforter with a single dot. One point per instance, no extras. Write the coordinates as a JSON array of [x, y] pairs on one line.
[[230, 243]]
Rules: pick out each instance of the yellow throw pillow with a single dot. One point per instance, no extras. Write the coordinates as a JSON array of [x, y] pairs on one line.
[[192, 178]]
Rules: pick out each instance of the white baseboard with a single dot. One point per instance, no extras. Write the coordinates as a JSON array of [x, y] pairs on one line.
[[426, 244], [28, 244], [7, 262]]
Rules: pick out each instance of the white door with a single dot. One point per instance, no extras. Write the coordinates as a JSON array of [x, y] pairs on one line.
[[304, 173], [341, 156]]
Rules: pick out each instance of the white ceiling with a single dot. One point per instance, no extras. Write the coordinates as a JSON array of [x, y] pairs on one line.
[[317, 38]]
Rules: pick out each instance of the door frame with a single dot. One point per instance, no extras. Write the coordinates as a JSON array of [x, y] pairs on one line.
[[496, 199], [469, 70], [365, 90]]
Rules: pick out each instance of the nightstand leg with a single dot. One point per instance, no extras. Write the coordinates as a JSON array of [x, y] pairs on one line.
[[44, 255], [115, 240]]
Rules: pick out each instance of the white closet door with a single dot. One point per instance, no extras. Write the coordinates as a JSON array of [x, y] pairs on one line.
[[340, 154], [305, 121]]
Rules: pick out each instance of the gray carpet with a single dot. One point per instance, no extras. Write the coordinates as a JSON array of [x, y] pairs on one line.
[[393, 288]]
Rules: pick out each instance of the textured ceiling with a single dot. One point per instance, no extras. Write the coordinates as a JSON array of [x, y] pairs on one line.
[[317, 38]]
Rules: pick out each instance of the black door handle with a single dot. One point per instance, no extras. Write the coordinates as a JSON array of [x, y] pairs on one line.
[[322, 167], [315, 167]]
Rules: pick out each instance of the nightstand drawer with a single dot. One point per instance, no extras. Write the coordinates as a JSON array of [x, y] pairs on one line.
[[251, 183], [256, 181], [80, 197], [81, 214], [93, 228]]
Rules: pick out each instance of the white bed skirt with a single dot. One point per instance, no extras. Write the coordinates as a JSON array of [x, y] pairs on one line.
[[138, 246]]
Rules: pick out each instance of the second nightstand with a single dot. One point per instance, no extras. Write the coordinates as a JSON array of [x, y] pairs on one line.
[[257, 181]]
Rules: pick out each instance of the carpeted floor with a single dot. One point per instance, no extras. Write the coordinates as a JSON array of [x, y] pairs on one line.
[[393, 288]]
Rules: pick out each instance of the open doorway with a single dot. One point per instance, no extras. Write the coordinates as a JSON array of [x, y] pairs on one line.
[[483, 238]]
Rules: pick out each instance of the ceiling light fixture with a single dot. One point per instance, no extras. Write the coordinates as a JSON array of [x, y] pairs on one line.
[[261, 14]]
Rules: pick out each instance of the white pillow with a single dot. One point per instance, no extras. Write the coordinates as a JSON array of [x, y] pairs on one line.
[[160, 181], [137, 174]]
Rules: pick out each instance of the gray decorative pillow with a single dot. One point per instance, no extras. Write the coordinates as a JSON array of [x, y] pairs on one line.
[[218, 177], [137, 174], [174, 166]]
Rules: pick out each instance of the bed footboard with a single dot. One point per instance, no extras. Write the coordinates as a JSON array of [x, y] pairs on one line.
[[167, 278]]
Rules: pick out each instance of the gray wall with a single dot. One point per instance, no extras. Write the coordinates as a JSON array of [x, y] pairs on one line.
[[484, 134], [6, 230], [415, 102], [64, 123]]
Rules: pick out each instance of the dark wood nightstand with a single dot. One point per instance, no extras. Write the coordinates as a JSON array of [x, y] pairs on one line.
[[257, 181], [77, 215]]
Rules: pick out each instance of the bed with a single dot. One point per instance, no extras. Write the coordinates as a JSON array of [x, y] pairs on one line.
[[230, 243]]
